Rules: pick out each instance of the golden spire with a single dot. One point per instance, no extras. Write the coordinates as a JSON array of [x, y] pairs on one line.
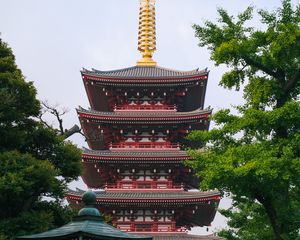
[[147, 32]]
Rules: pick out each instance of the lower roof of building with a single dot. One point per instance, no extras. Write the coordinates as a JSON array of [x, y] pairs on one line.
[[146, 114], [134, 154], [156, 196], [88, 228]]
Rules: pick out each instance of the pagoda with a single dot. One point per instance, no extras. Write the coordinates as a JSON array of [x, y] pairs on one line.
[[136, 129]]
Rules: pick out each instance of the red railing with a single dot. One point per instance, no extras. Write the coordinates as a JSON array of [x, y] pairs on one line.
[[145, 107], [150, 227], [153, 229], [144, 185], [145, 145]]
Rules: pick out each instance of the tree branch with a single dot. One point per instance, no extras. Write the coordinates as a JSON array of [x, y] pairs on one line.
[[292, 82], [42, 121], [277, 74], [72, 130], [271, 212], [57, 114]]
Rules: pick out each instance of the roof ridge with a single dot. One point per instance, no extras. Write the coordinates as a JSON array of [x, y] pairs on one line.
[[146, 113], [148, 67], [146, 72], [183, 193], [183, 71], [115, 70]]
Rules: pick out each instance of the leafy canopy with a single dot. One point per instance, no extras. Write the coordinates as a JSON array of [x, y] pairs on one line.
[[35, 161], [255, 155]]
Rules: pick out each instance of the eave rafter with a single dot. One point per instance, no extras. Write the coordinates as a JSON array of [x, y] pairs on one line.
[[156, 80], [152, 117], [152, 197], [134, 156]]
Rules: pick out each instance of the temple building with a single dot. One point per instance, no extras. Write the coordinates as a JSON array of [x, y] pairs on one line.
[[136, 129]]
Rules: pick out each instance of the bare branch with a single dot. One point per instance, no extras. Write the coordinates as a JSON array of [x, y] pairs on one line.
[[40, 117], [55, 112], [44, 122], [58, 112]]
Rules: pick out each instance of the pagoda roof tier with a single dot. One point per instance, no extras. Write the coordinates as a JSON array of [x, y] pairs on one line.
[[149, 198], [134, 156], [192, 208], [144, 74], [98, 166], [145, 117]]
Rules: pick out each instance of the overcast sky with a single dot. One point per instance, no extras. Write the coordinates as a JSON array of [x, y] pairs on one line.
[[53, 39]]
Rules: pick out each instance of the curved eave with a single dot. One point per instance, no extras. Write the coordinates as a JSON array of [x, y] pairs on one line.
[[175, 117], [134, 75], [132, 156], [88, 227], [84, 235], [184, 198], [144, 81]]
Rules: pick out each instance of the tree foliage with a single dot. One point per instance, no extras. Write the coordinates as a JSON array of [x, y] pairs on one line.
[[256, 154], [35, 161], [247, 220]]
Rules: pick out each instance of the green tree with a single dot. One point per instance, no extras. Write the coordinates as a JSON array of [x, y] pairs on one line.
[[247, 220], [255, 154], [35, 160]]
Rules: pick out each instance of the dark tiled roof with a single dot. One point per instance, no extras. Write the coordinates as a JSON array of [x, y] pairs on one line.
[[147, 114], [145, 72], [91, 228], [136, 154], [155, 196]]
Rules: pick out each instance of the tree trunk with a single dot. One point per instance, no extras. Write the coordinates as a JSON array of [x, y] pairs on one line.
[[271, 212], [273, 219], [28, 203]]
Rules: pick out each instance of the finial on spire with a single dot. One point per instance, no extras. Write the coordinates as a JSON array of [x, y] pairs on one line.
[[147, 32]]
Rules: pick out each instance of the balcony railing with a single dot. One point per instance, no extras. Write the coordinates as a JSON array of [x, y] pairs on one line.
[[144, 145], [150, 107], [143, 185], [147, 227]]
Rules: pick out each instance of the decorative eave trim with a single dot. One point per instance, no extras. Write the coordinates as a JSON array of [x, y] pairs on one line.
[[113, 117], [92, 158], [145, 80], [173, 201]]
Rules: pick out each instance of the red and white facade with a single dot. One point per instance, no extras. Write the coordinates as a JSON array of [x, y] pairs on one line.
[[136, 131]]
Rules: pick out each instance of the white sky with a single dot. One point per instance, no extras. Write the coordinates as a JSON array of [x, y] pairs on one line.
[[54, 39]]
